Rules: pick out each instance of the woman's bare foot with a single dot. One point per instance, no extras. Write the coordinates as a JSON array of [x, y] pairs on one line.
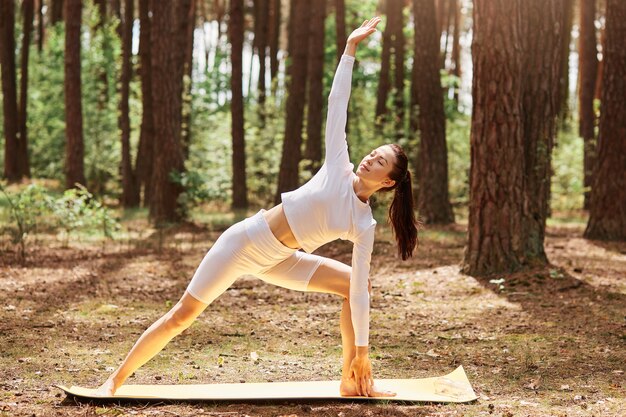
[[107, 389], [348, 389]]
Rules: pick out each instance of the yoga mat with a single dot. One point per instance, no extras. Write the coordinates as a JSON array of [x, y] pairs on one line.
[[453, 387]]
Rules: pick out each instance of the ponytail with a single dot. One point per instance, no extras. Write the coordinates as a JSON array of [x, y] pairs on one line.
[[401, 211]]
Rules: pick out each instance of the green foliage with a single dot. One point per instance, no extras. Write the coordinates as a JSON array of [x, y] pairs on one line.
[[27, 209], [77, 209], [567, 165], [34, 206]]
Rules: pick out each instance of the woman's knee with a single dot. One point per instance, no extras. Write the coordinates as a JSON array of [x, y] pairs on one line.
[[184, 312]]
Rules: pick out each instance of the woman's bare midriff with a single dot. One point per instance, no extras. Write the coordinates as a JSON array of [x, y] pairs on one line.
[[279, 226]]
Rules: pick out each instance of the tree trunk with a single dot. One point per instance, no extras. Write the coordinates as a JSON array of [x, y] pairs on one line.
[[568, 14], [130, 193], [315, 100], [441, 7], [260, 37], [28, 7], [340, 24], [433, 198], [398, 50], [384, 83], [297, 75], [189, 16], [456, 47], [236, 31], [588, 64], [167, 87], [12, 165], [144, 163], [40, 26], [542, 67], [273, 36], [56, 11], [74, 147], [496, 139], [607, 211]]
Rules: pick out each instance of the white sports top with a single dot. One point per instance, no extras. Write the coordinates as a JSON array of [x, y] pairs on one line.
[[326, 207]]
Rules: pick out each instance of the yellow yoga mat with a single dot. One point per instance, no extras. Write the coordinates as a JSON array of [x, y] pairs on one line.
[[453, 387]]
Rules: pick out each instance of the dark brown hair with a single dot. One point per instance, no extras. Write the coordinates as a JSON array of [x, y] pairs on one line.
[[401, 211]]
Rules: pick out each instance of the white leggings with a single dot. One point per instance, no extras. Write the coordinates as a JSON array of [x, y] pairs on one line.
[[250, 248]]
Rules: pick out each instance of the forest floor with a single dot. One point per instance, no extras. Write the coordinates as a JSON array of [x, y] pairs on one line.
[[546, 342]]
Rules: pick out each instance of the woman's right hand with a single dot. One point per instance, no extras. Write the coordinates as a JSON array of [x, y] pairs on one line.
[[367, 28], [361, 372]]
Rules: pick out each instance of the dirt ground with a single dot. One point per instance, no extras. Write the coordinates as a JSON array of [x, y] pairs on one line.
[[549, 342]]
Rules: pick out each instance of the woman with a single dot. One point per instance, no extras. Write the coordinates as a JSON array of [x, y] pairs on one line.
[[333, 204]]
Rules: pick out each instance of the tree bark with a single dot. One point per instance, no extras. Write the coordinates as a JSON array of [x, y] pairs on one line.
[[56, 11], [542, 68], [189, 25], [273, 36], [40, 26], [607, 211], [236, 31], [398, 50], [315, 99], [588, 56], [130, 193], [340, 24], [12, 165], [296, 86], [568, 12], [433, 198], [28, 9], [167, 87], [144, 163], [74, 147], [261, 29], [456, 47], [496, 139], [384, 83]]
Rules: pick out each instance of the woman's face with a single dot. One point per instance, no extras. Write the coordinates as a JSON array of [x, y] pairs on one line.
[[377, 165]]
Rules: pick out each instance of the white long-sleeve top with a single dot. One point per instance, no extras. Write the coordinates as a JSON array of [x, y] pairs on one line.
[[326, 207]]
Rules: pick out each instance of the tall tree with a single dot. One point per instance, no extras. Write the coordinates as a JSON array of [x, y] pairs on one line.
[[340, 24], [496, 140], [56, 11], [188, 19], [315, 98], [588, 62], [433, 198], [456, 46], [607, 211], [74, 146], [167, 58], [145, 153], [568, 17], [12, 165], [384, 82], [297, 75], [398, 51], [28, 9], [273, 36], [40, 25], [261, 29], [542, 47], [130, 193], [516, 54], [236, 31]]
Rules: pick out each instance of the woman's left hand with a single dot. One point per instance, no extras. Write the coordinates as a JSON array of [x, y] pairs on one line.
[[367, 28]]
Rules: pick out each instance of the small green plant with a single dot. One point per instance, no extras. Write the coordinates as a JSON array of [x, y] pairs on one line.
[[77, 209], [28, 208]]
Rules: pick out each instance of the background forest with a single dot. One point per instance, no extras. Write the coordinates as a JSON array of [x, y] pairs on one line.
[[134, 132]]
